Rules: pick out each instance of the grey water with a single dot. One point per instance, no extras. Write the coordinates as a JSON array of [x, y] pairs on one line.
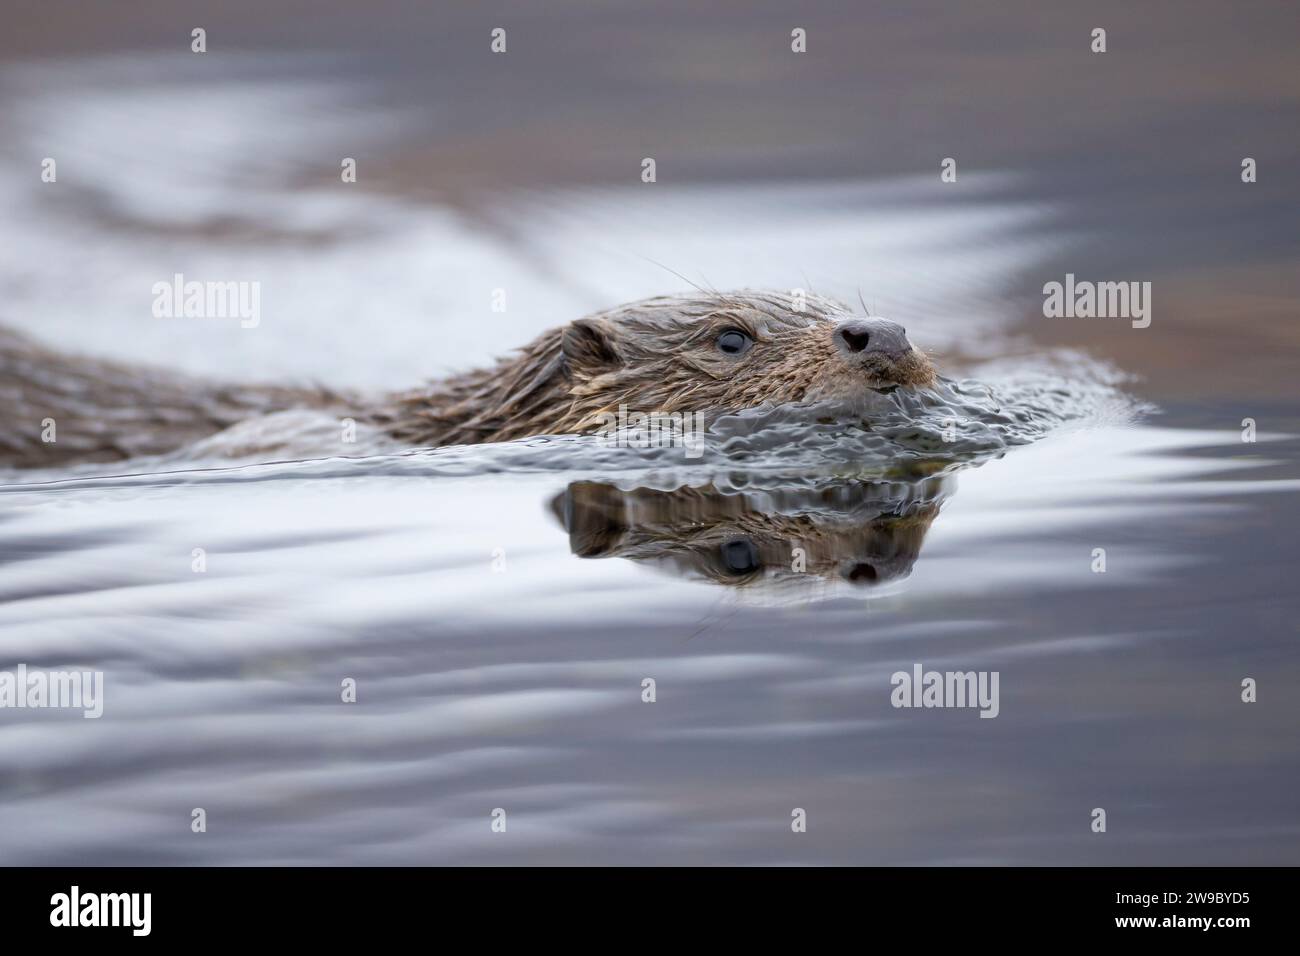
[[499, 608]]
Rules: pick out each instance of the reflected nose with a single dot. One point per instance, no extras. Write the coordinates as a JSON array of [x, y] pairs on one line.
[[861, 573], [872, 335]]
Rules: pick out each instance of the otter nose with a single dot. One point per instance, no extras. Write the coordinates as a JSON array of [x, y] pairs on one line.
[[872, 335], [855, 337]]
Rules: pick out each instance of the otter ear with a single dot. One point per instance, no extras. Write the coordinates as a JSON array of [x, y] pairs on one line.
[[591, 345]]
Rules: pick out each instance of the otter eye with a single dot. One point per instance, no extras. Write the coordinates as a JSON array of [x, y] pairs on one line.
[[734, 342], [740, 556]]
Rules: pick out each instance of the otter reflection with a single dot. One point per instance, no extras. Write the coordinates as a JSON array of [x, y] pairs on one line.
[[862, 533]]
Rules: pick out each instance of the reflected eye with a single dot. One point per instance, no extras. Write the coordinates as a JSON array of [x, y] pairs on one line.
[[740, 556], [734, 342]]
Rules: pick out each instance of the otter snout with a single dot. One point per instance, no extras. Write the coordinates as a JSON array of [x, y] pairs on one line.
[[858, 339], [879, 350]]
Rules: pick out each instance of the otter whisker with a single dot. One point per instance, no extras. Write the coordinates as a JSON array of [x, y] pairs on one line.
[[697, 288], [864, 304]]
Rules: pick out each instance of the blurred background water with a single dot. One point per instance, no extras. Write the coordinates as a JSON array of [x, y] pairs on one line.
[[500, 606]]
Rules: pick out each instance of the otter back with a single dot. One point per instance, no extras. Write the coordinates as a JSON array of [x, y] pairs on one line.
[[63, 410]]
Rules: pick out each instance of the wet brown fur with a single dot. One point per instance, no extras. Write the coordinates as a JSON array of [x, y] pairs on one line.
[[109, 411]]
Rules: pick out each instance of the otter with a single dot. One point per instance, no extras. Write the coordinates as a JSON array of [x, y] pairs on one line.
[[710, 352]]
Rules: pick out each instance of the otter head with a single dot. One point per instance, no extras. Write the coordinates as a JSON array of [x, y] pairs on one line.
[[706, 353], [730, 352]]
